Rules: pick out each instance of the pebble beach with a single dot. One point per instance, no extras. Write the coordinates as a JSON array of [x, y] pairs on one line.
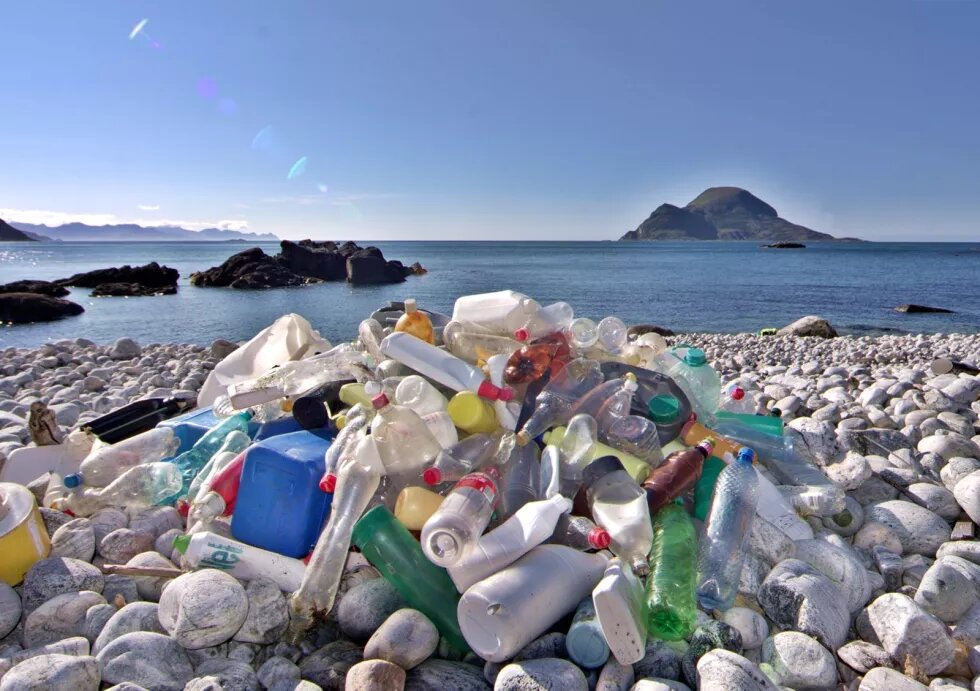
[[888, 602]]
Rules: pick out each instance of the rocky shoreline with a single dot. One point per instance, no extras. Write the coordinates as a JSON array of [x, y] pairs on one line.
[[887, 602]]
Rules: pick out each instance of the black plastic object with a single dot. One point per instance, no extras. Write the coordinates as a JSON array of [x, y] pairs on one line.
[[311, 409], [649, 385], [138, 416]]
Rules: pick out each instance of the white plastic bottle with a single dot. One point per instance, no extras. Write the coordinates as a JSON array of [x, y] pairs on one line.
[[504, 612], [531, 525], [620, 506], [418, 394], [210, 551], [461, 518], [618, 601], [775, 508], [502, 312]]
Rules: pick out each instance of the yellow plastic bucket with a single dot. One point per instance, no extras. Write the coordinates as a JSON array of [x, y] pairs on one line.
[[23, 537]]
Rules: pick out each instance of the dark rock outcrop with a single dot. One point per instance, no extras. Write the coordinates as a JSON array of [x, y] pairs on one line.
[[41, 287], [922, 309], [786, 246], [251, 269], [26, 308], [639, 329], [130, 290], [10, 234], [367, 267], [314, 259], [151, 275]]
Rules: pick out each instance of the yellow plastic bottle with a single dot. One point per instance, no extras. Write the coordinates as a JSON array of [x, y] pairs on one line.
[[472, 414], [23, 537], [352, 394], [414, 505], [415, 323], [694, 431], [638, 469]]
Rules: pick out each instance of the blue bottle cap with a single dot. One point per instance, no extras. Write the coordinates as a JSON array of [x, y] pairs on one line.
[[746, 455], [72, 481], [695, 357]]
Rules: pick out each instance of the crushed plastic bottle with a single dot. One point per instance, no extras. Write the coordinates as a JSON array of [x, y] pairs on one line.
[[106, 462], [190, 463], [404, 442], [475, 344], [460, 459], [415, 323], [343, 445], [139, 487], [553, 406], [553, 318], [291, 379], [619, 505], [672, 608]]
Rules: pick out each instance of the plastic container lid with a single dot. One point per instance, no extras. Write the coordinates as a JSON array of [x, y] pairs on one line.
[[695, 357], [599, 538], [328, 483], [466, 410], [183, 507], [664, 409], [432, 476], [522, 335], [379, 401], [746, 455], [598, 468], [72, 481], [410, 305], [737, 393], [181, 543]]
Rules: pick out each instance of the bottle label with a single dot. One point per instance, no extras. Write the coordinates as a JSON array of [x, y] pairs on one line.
[[481, 483], [222, 556]]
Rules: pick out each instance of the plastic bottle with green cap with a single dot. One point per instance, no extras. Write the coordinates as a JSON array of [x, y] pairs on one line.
[[210, 551], [667, 413], [699, 381], [392, 550], [672, 608]]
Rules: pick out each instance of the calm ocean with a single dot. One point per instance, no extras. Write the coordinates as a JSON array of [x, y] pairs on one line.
[[689, 286]]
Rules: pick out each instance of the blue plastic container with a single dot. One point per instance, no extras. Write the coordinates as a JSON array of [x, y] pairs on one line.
[[283, 425], [190, 427], [280, 506]]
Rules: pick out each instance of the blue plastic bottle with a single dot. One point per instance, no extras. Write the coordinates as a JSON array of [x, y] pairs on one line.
[[280, 506], [721, 551], [190, 427]]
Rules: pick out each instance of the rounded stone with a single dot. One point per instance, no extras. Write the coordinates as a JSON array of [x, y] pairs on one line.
[[63, 616], [800, 662], [203, 608], [936, 498], [58, 575], [151, 660], [919, 529], [375, 675], [907, 630], [95, 620], [543, 673], [949, 588], [156, 520], [136, 616], [365, 607], [268, 614], [104, 521], [48, 672], [723, 669], [967, 494], [231, 675], [949, 446], [877, 534], [278, 671], [75, 539], [121, 545], [406, 638], [749, 623], [887, 679], [150, 587], [10, 609]]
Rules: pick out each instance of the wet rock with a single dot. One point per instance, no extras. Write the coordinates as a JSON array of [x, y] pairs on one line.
[[949, 588], [10, 609], [907, 630], [232, 675], [708, 636], [543, 673], [268, 615], [150, 275], [723, 669], [799, 662], [40, 287], [47, 672], [375, 675], [75, 540], [251, 269], [137, 616], [58, 575], [328, 666], [203, 608], [797, 596], [149, 659], [317, 260], [749, 623], [60, 617], [919, 530], [366, 606], [862, 656], [27, 308], [121, 545], [885, 679], [443, 674], [406, 638], [660, 660]]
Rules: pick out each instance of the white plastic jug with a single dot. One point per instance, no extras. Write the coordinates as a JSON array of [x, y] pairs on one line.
[[501, 614], [618, 601], [503, 312], [207, 550]]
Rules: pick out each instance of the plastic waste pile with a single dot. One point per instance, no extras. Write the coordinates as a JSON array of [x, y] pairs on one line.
[[511, 469]]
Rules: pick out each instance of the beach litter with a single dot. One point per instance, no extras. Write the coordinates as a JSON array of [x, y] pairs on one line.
[[508, 497]]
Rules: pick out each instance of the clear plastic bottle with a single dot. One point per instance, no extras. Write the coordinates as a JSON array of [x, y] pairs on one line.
[[699, 381], [735, 399], [611, 334], [294, 378], [343, 444], [502, 312], [420, 395], [619, 505], [107, 462], [475, 344], [579, 532], [441, 427], [141, 486], [554, 404], [721, 552], [636, 436], [614, 392], [550, 319], [461, 519], [219, 497], [415, 322], [371, 333], [190, 463], [520, 478], [460, 459], [672, 608], [404, 442], [679, 472], [576, 450], [235, 442], [582, 333]]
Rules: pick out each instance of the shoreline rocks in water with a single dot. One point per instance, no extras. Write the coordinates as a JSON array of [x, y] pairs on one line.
[[28, 308], [148, 276], [922, 309], [302, 263]]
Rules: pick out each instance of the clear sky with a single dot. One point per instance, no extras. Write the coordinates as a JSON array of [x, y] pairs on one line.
[[526, 119]]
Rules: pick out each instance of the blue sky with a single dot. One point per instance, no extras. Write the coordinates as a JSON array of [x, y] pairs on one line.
[[444, 119]]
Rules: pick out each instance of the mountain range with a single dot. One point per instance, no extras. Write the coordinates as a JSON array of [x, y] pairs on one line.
[[724, 213], [10, 234], [129, 232]]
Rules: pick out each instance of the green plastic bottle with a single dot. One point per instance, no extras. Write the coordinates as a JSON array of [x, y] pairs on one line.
[[392, 550], [671, 602], [704, 490]]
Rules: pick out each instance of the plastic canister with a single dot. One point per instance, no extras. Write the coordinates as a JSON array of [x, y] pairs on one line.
[[414, 505], [503, 613], [472, 414], [392, 550], [620, 608], [23, 537], [585, 642], [280, 506]]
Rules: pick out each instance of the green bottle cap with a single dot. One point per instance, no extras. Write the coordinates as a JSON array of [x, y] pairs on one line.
[[695, 357], [664, 409], [373, 521], [181, 543]]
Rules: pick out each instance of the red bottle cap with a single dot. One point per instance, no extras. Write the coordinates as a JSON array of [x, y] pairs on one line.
[[522, 335], [328, 483], [380, 401], [432, 476], [599, 538], [494, 393], [183, 507]]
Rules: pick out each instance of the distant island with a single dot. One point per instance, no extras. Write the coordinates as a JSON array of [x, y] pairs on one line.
[[10, 234], [129, 232], [724, 213]]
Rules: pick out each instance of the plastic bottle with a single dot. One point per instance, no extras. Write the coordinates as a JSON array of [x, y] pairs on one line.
[[343, 445], [532, 361], [554, 404], [704, 488], [313, 600], [221, 494], [318, 408], [620, 609], [699, 381], [295, 377], [530, 525], [461, 519], [371, 333], [735, 399], [404, 442], [475, 344], [578, 532], [507, 411], [415, 505], [619, 505], [679, 472], [520, 478], [721, 552], [141, 486], [693, 431], [550, 319], [136, 417], [415, 323], [636, 436], [672, 610], [234, 444], [472, 414], [417, 393], [440, 366], [550, 467], [460, 459], [209, 551], [585, 642], [506, 611], [611, 334], [441, 427], [393, 551], [638, 469], [105, 463], [614, 392], [582, 333], [190, 463], [502, 312]]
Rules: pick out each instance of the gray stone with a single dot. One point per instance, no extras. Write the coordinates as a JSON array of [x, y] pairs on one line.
[[967, 495], [60, 617], [949, 446], [203, 608], [919, 530], [841, 566], [10, 609], [365, 607], [937, 499], [889, 565], [885, 679], [149, 659], [106, 520], [47, 672], [862, 656], [850, 472], [232, 675], [278, 671], [125, 349], [873, 441], [615, 677], [375, 675], [406, 638], [873, 491], [907, 630], [268, 615], [815, 440], [723, 669], [95, 620], [874, 534], [121, 545], [949, 588], [797, 596], [55, 519], [328, 665], [750, 624], [120, 586], [443, 674], [849, 521], [75, 540], [957, 469], [545, 673], [137, 616], [968, 549], [150, 587], [157, 520], [799, 662], [548, 645], [208, 683], [58, 575], [660, 660], [165, 543], [659, 685]]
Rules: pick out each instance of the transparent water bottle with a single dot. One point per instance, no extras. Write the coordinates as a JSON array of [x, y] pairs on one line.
[[735, 399], [190, 463], [721, 551], [461, 518], [699, 381], [371, 333], [550, 319], [235, 442], [520, 481], [611, 334], [141, 486], [582, 333], [554, 404], [403, 440], [461, 459], [576, 451], [619, 505], [415, 322], [420, 395], [343, 444], [474, 344], [672, 608], [107, 462], [579, 532]]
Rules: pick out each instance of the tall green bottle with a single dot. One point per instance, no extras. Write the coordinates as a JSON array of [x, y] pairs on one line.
[[671, 602], [704, 490]]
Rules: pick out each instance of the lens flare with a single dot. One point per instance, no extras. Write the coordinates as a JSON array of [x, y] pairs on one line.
[[298, 169], [263, 139], [138, 28], [322, 188]]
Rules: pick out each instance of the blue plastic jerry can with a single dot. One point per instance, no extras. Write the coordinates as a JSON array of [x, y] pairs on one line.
[[280, 506]]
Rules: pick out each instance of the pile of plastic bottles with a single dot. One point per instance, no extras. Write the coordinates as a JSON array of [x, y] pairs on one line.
[[502, 468]]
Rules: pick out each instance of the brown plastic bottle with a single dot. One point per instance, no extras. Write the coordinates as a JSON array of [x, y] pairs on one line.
[[528, 364], [678, 473]]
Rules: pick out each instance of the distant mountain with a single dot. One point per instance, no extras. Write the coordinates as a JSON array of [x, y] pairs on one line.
[[723, 213], [79, 232], [10, 234]]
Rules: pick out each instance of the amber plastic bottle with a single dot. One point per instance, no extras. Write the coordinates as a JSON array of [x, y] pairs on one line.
[[679, 472], [415, 323]]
